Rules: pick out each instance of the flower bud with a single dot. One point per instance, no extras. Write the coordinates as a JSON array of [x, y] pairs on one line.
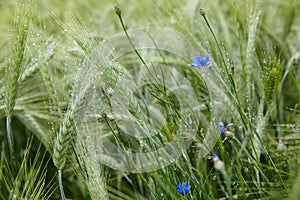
[[117, 10], [201, 11], [218, 164], [281, 146]]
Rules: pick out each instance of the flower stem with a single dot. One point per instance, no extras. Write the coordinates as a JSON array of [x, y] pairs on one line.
[[219, 48], [118, 12], [243, 116], [228, 183]]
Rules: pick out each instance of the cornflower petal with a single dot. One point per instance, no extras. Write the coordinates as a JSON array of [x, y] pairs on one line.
[[193, 65], [206, 60], [197, 59], [183, 188], [223, 129]]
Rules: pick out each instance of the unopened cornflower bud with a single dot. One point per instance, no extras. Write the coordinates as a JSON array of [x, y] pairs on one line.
[[281, 146], [294, 61], [109, 90], [142, 144], [117, 10], [218, 164], [201, 11], [171, 111], [103, 114]]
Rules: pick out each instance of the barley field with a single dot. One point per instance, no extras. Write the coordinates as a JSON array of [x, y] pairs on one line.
[[150, 99]]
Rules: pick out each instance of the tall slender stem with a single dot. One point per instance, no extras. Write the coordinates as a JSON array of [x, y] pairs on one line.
[[61, 188], [229, 75], [228, 184], [118, 12]]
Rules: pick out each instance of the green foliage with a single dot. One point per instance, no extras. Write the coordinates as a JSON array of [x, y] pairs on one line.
[[25, 178], [253, 82]]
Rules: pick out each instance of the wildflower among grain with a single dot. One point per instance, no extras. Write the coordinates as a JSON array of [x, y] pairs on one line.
[[109, 90], [103, 114], [224, 131], [201, 63], [294, 61], [117, 10], [218, 164], [183, 188], [201, 11], [281, 146], [142, 144]]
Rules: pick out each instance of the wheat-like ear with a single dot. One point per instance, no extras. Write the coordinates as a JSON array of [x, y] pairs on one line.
[[15, 64], [63, 137], [271, 85], [62, 141], [79, 32], [61, 145], [47, 75], [91, 166]]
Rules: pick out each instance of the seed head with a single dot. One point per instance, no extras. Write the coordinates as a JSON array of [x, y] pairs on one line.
[[201, 11], [218, 164], [294, 61], [117, 10], [281, 146], [103, 114]]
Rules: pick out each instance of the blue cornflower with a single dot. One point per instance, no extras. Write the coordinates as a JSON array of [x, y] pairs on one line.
[[223, 129], [215, 156], [200, 62], [183, 188]]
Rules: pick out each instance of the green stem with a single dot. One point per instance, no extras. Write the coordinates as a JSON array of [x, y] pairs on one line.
[[10, 138], [219, 48], [129, 39], [228, 183], [229, 75], [61, 188]]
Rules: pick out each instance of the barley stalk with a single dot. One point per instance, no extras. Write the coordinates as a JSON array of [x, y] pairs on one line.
[[88, 156], [60, 147], [14, 68], [62, 140]]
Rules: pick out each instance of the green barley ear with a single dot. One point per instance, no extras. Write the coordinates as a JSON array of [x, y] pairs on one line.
[[271, 84], [14, 67], [62, 141], [63, 137], [61, 146], [48, 79], [75, 28], [272, 72]]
